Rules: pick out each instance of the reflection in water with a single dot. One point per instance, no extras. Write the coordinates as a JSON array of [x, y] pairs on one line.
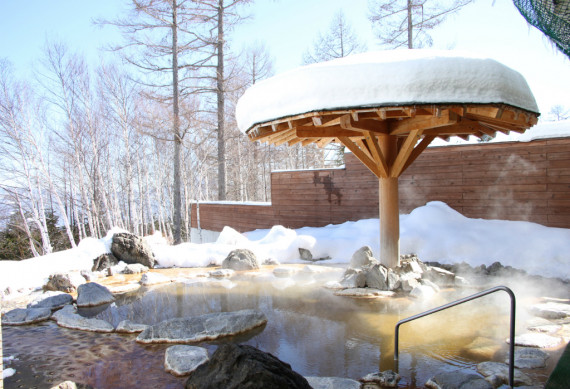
[[310, 328]]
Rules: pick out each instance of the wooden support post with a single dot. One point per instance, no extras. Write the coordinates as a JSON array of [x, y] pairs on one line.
[[389, 208], [389, 223], [1, 360]]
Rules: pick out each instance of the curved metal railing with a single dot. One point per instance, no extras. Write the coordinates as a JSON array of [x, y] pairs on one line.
[[464, 300]]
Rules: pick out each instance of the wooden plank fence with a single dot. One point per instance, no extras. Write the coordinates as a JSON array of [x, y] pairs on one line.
[[527, 181]]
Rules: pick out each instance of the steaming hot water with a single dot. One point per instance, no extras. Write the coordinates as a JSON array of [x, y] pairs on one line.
[[316, 332]]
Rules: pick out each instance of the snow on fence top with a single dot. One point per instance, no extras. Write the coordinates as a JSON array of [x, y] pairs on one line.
[[384, 78]]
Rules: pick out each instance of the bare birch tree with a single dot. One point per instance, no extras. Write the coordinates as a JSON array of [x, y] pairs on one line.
[[406, 23], [339, 41], [160, 43], [216, 18]]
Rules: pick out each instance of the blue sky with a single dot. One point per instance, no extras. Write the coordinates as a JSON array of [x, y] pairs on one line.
[[289, 27]]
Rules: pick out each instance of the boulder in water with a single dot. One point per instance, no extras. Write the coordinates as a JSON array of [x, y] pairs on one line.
[[235, 366]]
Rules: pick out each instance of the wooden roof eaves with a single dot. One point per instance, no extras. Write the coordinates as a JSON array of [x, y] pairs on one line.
[[490, 118]]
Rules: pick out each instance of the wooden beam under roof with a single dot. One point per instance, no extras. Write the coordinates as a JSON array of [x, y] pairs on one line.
[[403, 127], [404, 153], [364, 158], [377, 154], [376, 126], [324, 132]]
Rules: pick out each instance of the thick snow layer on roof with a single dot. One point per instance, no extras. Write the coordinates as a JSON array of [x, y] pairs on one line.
[[384, 78]]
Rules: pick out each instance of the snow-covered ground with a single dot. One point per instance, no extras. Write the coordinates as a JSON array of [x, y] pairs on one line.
[[435, 232]]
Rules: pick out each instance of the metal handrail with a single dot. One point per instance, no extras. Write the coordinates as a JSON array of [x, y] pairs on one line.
[[464, 300]]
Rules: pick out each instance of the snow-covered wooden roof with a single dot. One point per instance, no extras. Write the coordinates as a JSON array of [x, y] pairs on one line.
[[414, 95]]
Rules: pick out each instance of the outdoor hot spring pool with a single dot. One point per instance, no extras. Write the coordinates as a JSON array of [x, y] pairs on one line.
[[315, 331]]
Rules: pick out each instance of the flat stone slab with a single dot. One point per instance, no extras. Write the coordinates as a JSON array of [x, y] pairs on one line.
[[181, 360], [93, 294], [529, 358], [57, 301], [283, 283], [284, 271], [535, 339], [546, 329], [129, 327], [500, 371], [551, 310], [151, 278], [221, 273], [482, 348], [23, 316], [200, 328], [124, 288], [364, 293], [332, 383], [69, 318], [458, 379], [334, 285], [386, 378]]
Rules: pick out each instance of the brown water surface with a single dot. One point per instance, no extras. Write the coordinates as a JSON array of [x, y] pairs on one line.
[[316, 332]]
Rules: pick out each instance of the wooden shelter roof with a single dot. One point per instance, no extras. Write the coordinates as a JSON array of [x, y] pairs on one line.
[[415, 127]]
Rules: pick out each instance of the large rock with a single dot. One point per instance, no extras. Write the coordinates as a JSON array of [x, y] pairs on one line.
[[21, 316], [104, 261], [423, 292], [440, 276], [235, 366], [353, 278], [134, 268], [69, 318], [200, 328], [499, 372], [393, 280], [409, 281], [305, 254], [181, 360], [130, 248], [53, 302], [93, 294], [362, 257], [411, 264], [332, 383], [377, 277], [64, 282], [459, 380], [241, 259]]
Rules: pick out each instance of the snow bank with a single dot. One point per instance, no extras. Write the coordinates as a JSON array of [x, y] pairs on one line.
[[435, 232], [384, 78]]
